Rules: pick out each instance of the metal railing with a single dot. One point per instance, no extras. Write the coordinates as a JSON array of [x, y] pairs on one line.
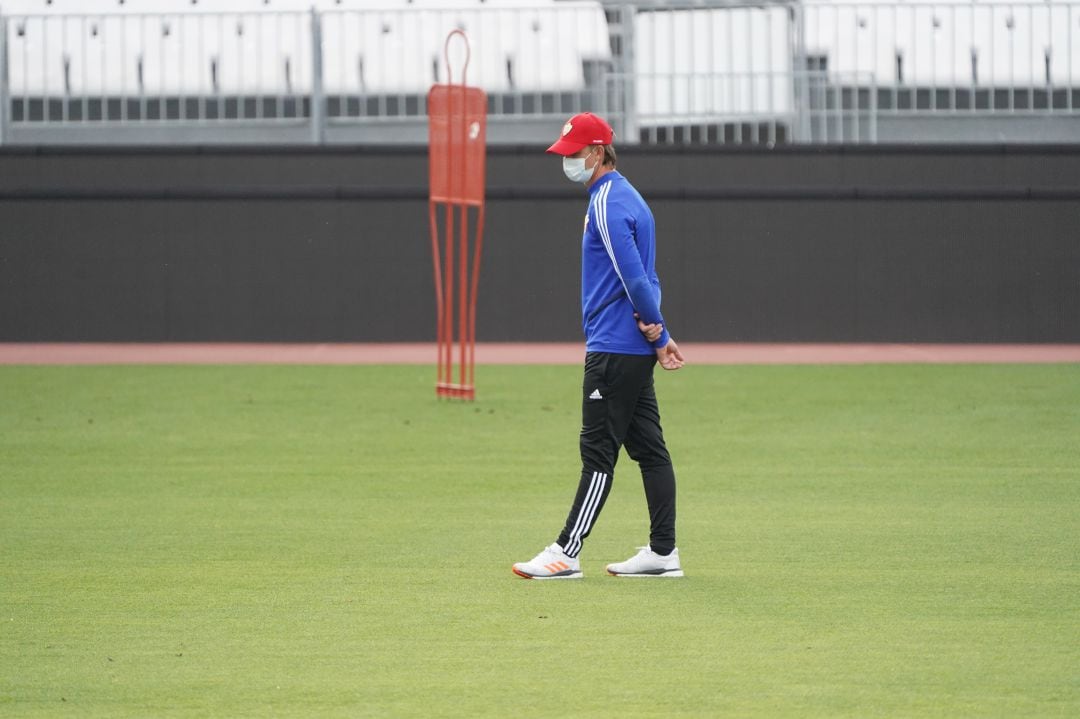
[[840, 71], [316, 73], [167, 70], [762, 108], [950, 57], [702, 72]]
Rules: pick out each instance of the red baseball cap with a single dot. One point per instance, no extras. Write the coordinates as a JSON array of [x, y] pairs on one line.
[[581, 130]]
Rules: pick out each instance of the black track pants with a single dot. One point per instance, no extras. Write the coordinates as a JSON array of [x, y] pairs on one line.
[[619, 409]]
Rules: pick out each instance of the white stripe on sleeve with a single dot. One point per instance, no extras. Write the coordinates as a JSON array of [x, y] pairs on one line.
[[605, 235]]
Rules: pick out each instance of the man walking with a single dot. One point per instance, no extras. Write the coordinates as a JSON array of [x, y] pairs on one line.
[[625, 338]]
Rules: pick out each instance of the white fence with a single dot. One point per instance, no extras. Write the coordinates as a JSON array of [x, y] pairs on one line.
[[708, 72], [955, 52], [824, 71]]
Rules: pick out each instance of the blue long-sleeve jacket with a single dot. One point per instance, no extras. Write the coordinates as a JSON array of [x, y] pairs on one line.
[[618, 270]]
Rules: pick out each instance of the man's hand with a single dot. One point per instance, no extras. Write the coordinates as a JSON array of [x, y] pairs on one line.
[[669, 356], [651, 332]]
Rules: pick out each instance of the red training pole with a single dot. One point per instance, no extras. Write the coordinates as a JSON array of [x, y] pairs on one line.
[[457, 127]]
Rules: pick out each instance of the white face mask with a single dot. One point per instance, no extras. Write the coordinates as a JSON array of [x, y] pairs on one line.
[[575, 170]]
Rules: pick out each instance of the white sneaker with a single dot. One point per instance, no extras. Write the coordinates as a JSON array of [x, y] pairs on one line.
[[552, 563], [647, 563]]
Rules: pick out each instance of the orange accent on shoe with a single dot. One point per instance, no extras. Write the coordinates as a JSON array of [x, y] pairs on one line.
[[520, 574], [562, 565]]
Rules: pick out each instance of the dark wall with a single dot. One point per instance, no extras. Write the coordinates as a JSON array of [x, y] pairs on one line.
[[966, 244]]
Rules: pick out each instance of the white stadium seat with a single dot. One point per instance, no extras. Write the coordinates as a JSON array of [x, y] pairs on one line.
[[253, 47], [935, 42], [388, 46]]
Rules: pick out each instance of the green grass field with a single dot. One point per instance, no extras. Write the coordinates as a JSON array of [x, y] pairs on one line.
[[897, 541]]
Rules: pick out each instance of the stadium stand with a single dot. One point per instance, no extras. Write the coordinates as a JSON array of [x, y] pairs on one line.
[[264, 46], [663, 70]]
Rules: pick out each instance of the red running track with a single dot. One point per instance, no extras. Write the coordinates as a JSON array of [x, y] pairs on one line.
[[522, 353]]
